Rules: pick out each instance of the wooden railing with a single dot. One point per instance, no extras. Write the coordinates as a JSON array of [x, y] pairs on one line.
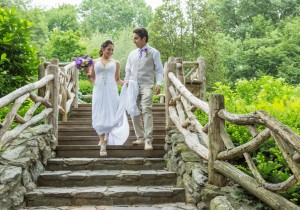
[[217, 148], [56, 92]]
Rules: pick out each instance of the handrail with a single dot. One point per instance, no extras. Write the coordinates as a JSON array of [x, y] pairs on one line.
[[59, 85], [215, 145]]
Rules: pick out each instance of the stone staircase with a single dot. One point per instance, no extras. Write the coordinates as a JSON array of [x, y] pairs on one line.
[[77, 138], [129, 176]]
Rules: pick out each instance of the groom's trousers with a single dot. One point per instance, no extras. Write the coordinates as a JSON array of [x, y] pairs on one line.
[[143, 123]]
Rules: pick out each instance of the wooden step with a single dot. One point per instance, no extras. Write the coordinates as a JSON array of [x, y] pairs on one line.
[[106, 178], [92, 151], [102, 195], [93, 140], [105, 163]]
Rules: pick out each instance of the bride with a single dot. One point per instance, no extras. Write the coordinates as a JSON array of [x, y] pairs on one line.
[[110, 124]]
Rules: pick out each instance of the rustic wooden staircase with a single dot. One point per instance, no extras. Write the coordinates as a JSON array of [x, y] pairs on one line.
[[128, 176], [77, 138]]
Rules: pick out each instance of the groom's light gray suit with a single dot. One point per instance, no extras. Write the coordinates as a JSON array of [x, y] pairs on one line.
[[143, 70]]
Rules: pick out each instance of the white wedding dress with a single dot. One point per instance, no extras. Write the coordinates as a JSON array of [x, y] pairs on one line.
[[108, 114]]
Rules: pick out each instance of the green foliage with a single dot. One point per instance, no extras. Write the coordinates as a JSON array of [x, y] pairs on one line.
[[108, 16], [166, 30], [85, 87], [236, 16], [39, 35], [27, 104], [64, 45], [21, 5], [122, 41], [63, 18], [280, 100], [19, 62]]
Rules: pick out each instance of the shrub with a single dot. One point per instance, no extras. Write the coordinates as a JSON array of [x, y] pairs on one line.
[[277, 98], [19, 62]]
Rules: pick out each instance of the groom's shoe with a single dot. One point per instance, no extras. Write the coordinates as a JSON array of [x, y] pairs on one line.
[[148, 145], [138, 142]]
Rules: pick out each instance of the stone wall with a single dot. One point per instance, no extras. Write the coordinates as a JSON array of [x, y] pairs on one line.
[[22, 162], [192, 175]]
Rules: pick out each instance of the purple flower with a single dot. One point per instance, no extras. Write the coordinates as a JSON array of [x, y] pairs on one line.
[[83, 62]]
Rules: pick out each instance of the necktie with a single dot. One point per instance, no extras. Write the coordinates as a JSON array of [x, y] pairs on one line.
[[140, 53]]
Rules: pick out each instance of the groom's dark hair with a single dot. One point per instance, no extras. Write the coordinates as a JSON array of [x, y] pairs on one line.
[[141, 32]]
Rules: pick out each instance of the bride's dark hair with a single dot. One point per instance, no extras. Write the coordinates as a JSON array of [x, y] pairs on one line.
[[104, 45]]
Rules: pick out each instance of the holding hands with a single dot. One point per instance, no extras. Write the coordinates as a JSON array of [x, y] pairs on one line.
[[157, 89]]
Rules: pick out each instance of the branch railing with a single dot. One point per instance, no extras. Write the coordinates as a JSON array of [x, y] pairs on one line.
[[215, 144], [55, 92]]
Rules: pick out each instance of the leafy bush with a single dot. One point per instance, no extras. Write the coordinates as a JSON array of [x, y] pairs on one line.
[[85, 88], [19, 62], [277, 98], [64, 45]]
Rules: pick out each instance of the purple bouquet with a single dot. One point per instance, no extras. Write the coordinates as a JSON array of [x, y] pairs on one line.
[[83, 62]]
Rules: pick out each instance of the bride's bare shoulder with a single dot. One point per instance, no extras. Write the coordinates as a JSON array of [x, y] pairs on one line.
[[116, 61]]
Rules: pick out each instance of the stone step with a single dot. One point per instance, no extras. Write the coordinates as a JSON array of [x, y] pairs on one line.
[[156, 120], [88, 122], [154, 105], [89, 131], [134, 163], [89, 126], [104, 195], [92, 151], [106, 178], [89, 109], [75, 114], [93, 140], [165, 206]]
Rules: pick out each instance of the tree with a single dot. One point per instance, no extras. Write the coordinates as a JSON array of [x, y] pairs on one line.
[[19, 62], [166, 31], [108, 16], [63, 18], [39, 30], [236, 16], [64, 45], [21, 5], [289, 46]]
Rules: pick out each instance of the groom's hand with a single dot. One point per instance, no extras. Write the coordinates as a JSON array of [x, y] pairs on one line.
[[157, 88]]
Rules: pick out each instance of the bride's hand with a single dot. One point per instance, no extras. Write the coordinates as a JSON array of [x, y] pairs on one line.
[[126, 83]]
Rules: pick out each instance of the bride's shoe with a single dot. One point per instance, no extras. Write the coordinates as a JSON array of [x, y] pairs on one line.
[[103, 151]]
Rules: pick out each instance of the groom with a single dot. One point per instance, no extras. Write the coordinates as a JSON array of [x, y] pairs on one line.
[[143, 64]]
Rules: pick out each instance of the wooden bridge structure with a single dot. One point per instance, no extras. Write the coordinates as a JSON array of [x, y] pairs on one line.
[[185, 92]]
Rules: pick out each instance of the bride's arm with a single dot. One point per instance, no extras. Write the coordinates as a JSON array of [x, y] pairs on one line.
[[117, 75], [91, 74]]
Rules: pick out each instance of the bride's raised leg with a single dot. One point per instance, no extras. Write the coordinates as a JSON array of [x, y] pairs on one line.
[[102, 144]]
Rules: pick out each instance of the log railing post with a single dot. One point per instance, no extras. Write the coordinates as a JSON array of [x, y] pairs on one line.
[[76, 84], [63, 91], [179, 72], [215, 144], [202, 78], [41, 74], [53, 86], [170, 66]]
